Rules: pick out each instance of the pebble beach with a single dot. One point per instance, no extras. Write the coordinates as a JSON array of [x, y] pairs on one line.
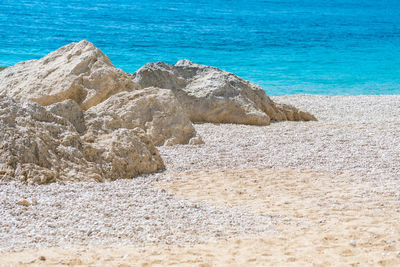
[[322, 193], [200, 133]]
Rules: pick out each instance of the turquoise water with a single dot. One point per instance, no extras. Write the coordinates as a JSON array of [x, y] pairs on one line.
[[331, 47]]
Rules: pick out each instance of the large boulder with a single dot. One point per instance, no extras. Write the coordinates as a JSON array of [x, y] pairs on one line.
[[209, 94], [155, 110], [37, 146], [123, 153], [77, 71]]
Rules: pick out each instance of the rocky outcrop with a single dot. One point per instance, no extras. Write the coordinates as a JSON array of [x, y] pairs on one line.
[[73, 116], [209, 94], [77, 71], [37, 146], [2, 68], [155, 110], [79, 76]]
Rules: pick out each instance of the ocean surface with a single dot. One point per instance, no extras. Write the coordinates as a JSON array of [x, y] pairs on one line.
[[330, 47]]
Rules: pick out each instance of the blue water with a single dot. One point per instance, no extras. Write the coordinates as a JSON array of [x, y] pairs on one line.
[[332, 47]]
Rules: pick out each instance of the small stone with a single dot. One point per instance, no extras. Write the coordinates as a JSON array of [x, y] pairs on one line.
[[353, 243], [34, 201], [42, 258], [24, 202]]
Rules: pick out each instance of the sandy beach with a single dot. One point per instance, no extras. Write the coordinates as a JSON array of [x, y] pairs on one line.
[[320, 193]]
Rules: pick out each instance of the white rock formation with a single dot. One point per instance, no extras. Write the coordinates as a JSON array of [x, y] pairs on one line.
[[77, 71], [37, 146], [100, 123], [79, 76], [209, 94], [155, 110]]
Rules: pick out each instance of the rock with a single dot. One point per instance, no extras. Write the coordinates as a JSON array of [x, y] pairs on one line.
[[209, 94], [155, 110], [37, 146], [69, 110], [24, 202], [2, 68], [124, 153], [77, 71]]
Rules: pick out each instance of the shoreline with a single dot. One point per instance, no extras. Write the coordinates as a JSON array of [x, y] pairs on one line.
[[341, 170]]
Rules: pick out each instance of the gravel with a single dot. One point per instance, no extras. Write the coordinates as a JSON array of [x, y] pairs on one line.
[[357, 134], [124, 212], [354, 134]]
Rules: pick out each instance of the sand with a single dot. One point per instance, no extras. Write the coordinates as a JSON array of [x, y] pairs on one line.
[[321, 193]]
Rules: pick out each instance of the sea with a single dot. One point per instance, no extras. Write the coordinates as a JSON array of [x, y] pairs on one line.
[[326, 47]]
